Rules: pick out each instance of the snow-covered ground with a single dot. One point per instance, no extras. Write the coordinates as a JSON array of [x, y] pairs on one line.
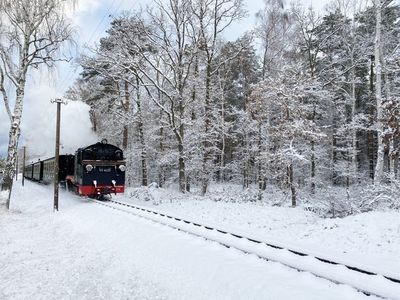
[[368, 240], [87, 251]]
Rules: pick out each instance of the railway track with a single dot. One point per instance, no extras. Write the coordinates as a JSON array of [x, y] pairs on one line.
[[363, 280]]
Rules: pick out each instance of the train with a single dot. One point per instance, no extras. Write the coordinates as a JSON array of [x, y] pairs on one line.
[[95, 171]]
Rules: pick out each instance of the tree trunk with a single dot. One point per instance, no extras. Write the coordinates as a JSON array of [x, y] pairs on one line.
[[161, 171], [182, 179], [180, 137], [207, 128], [13, 136], [161, 175], [334, 160], [395, 160], [126, 109], [223, 139], [378, 93], [291, 184], [93, 119], [246, 167], [370, 133], [313, 157], [348, 177], [188, 184], [354, 167], [391, 160], [125, 137], [181, 163], [260, 175], [143, 154]]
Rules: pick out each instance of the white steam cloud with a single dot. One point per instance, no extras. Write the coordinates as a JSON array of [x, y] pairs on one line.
[[39, 123]]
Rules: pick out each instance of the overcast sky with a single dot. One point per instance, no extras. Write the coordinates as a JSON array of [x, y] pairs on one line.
[[91, 18]]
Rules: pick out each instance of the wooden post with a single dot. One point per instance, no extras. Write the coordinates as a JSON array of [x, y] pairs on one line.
[[57, 152], [23, 166], [16, 167]]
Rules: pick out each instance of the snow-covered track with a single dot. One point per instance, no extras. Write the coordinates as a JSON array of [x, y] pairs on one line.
[[366, 281]]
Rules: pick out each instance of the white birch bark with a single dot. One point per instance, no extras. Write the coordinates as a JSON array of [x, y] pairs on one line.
[[378, 91], [13, 138], [4, 95]]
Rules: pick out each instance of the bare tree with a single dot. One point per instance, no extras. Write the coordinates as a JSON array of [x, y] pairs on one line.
[[32, 35], [274, 26], [174, 39], [212, 17], [161, 56], [307, 22]]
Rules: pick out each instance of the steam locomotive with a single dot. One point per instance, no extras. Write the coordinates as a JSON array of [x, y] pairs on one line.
[[94, 171]]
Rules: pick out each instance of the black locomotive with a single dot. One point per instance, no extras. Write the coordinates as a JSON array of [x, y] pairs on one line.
[[93, 171]]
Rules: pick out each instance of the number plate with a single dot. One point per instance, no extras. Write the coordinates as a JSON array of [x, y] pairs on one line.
[[104, 169]]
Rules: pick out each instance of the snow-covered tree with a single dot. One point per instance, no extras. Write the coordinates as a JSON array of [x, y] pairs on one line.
[[32, 34], [301, 116], [211, 19], [285, 100]]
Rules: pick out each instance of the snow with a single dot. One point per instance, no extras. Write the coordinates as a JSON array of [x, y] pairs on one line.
[[88, 251], [369, 240], [376, 285]]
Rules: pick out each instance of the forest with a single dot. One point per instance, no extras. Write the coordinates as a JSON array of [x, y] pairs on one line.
[[305, 103]]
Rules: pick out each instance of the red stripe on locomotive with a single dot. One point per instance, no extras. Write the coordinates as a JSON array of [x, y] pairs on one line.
[[91, 190]]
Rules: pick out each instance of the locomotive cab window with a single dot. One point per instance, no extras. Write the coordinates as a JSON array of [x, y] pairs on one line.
[[88, 154], [102, 152], [118, 155]]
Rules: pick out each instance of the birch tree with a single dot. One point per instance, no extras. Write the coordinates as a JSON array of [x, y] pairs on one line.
[[32, 35], [378, 89]]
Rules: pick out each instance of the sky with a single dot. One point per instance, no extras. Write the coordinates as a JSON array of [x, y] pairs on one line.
[[91, 19]]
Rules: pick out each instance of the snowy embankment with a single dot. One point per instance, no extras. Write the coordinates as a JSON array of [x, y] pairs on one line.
[[87, 251], [368, 240], [370, 284]]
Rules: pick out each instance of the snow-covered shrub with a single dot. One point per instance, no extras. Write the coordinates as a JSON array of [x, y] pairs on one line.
[[380, 196], [329, 201], [340, 201], [233, 193], [141, 194]]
